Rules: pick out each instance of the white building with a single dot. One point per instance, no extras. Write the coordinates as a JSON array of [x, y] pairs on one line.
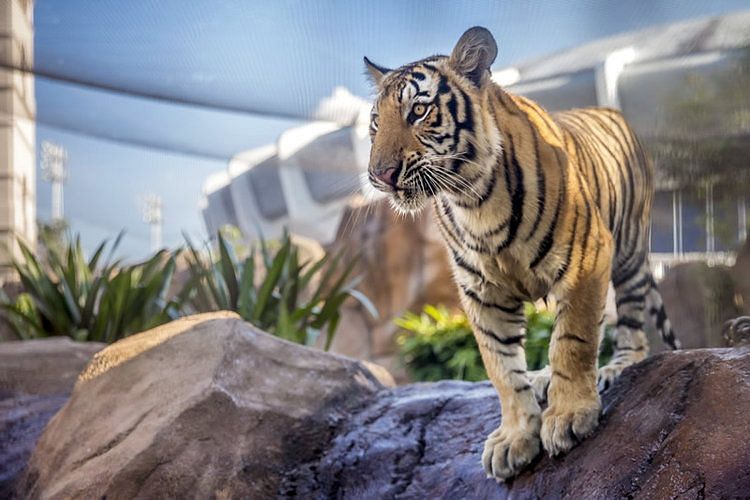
[[17, 128]]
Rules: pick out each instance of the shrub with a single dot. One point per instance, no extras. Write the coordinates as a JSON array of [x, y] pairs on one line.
[[94, 299], [438, 344], [281, 297]]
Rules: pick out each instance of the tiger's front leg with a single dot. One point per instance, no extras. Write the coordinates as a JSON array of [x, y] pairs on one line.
[[573, 399], [499, 325]]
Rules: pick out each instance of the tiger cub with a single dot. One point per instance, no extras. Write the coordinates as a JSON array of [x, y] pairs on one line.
[[529, 204]]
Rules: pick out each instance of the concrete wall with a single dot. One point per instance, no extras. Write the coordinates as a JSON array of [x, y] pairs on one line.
[[17, 129]]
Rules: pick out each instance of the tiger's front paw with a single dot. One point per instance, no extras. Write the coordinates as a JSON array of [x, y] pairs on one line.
[[508, 451], [562, 429]]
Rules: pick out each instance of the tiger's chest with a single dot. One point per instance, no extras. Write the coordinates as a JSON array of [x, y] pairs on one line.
[[481, 249], [509, 273]]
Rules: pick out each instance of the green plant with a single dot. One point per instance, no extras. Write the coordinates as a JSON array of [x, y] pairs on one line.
[[94, 299], [272, 289], [438, 344], [539, 324]]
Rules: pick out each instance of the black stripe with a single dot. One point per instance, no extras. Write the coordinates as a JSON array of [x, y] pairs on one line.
[[443, 87], [465, 266], [618, 279], [571, 336], [517, 200], [566, 264], [512, 340], [540, 187], [484, 196], [490, 305], [546, 244], [630, 298], [629, 322], [638, 284]]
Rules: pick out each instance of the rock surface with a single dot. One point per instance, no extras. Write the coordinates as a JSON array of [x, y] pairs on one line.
[[203, 406], [209, 407], [36, 378], [22, 420], [43, 367], [699, 316]]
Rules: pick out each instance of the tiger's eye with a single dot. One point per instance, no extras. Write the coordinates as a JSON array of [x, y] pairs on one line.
[[419, 110]]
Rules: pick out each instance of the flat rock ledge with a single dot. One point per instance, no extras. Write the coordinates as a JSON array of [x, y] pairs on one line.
[[36, 378], [208, 406]]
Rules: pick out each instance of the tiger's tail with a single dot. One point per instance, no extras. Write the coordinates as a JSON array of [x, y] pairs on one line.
[[655, 306]]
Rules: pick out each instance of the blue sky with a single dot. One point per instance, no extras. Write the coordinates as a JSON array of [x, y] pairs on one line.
[[243, 62]]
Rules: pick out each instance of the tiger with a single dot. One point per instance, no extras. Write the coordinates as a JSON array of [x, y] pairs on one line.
[[529, 204]]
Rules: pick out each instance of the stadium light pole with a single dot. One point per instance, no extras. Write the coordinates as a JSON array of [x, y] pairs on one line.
[[152, 215], [55, 171]]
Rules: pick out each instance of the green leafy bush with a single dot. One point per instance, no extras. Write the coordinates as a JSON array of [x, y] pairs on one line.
[[272, 289], [94, 299], [539, 324], [438, 344]]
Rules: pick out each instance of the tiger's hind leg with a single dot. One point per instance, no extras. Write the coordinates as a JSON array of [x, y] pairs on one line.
[[540, 383], [630, 342]]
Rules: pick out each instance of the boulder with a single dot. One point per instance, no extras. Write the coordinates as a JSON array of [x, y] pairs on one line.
[[47, 366], [203, 406], [698, 299], [22, 420], [208, 406], [36, 377]]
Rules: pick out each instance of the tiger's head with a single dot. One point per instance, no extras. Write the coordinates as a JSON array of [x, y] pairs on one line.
[[427, 126]]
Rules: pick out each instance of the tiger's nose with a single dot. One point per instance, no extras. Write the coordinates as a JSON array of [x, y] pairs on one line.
[[389, 175]]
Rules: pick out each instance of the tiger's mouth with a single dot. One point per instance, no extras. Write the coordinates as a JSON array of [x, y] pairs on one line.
[[410, 196], [407, 199]]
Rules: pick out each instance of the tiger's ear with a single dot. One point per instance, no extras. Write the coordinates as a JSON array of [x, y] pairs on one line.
[[376, 72], [474, 54]]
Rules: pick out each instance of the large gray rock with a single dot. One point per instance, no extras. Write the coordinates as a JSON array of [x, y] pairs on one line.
[[22, 420], [43, 367], [203, 406], [36, 377], [672, 427], [209, 407], [698, 299]]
